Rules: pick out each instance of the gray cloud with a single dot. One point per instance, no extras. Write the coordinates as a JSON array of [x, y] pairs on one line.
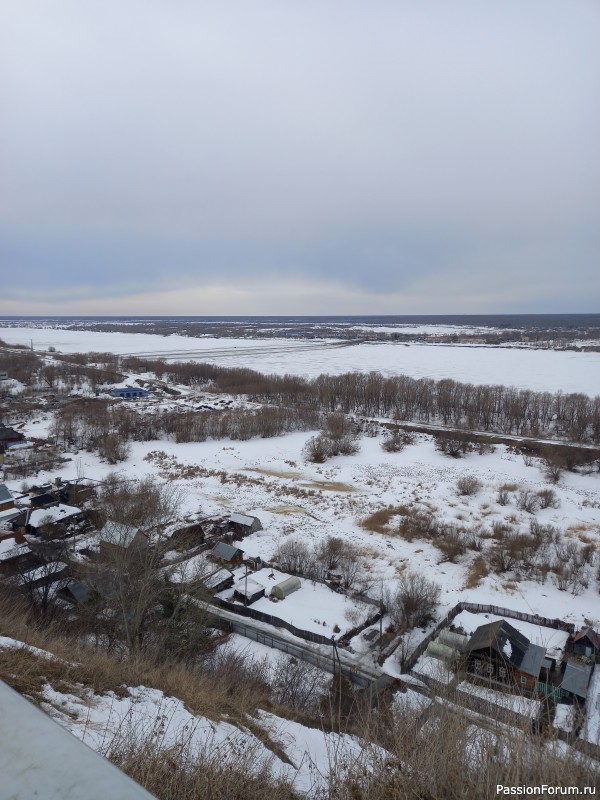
[[383, 147]]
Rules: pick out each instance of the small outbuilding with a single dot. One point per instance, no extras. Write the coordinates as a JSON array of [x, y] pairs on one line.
[[575, 682], [248, 591], [281, 590]]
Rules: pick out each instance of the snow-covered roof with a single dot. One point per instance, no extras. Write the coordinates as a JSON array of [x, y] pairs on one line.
[[10, 549], [242, 519], [225, 551], [117, 533], [52, 514], [249, 587]]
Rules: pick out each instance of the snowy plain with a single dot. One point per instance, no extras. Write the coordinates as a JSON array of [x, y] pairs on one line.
[[539, 370]]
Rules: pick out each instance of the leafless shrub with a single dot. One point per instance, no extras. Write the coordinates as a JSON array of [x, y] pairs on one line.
[[548, 498], [503, 497], [468, 485], [528, 501], [414, 602]]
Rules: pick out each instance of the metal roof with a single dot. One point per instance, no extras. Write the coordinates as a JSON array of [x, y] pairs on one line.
[[225, 551], [39, 758], [242, 519], [117, 533], [576, 679], [531, 662], [5, 493], [589, 634], [510, 644]]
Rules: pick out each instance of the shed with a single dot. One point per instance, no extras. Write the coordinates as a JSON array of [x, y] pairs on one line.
[[227, 553], [74, 591], [244, 525], [7, 501], [284, 588], [248, 591], [576, 680]]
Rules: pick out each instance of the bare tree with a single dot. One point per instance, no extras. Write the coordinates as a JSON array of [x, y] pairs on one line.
[[414, 602]]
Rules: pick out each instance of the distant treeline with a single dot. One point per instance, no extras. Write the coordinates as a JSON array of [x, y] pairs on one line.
[[492, 408]]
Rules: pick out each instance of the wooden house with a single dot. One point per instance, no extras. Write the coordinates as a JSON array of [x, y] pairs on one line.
[[499, 654], [187, 537], [7, 501], [9, 437], [119, 539], [587, 643], [243, 524], [227, 554], [15, 557]]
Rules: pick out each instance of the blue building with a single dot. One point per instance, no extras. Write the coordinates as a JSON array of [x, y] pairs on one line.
[[129, 392]]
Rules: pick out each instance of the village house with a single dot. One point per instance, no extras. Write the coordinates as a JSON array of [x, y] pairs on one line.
[[9, 437], [187, 537], [119, 539], [15, 556], [243, 525], [7, 501], [53, 522], [587, 643], [498, 653], [227, 554]]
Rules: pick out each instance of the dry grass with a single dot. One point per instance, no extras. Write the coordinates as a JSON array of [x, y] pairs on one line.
[[477, 572], [274, 473], [329, 486], [379, 520]]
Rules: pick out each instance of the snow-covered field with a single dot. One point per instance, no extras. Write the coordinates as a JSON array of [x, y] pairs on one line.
[[540, 370]]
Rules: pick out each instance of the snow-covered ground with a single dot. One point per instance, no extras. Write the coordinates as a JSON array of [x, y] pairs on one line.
[[513, 702], [313, 607], [109, 723], [540, 370]]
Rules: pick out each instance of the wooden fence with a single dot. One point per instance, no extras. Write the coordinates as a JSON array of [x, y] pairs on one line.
[[479, 608]]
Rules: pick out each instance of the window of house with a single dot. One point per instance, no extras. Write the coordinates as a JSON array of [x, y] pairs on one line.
[[523, 680], [502, 672], [477, 663], [490, 668]]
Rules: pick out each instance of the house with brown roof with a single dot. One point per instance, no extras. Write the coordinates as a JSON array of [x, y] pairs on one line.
[[587, 643]]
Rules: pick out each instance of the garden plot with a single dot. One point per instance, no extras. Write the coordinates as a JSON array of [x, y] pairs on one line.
[[313, 607]]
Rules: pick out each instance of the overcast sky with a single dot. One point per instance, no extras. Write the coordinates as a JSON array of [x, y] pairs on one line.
[[326, 157]]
